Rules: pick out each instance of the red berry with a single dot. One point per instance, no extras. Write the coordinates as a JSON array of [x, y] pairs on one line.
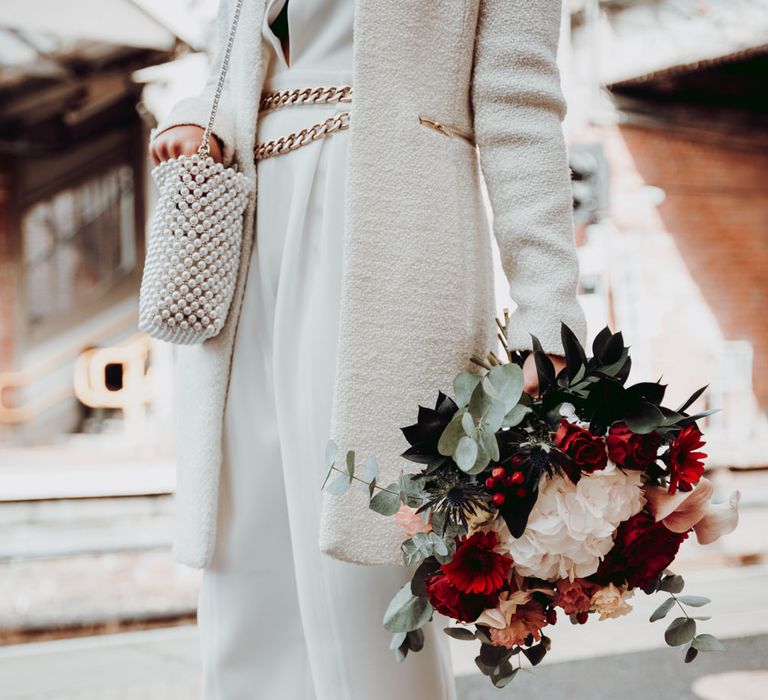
[[508, 481], [498, 472], [490, 483], [552, 616], [582, 617], [521, 492], [498, 498], [518, 478], [516, 459]]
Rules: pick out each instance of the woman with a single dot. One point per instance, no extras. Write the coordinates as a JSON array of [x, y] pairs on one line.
[[366, 285]]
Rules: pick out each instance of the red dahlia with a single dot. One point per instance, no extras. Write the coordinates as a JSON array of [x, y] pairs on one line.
[[642, 549], [450, 601], [476, 568], [586, 450], [632, 450], [685, 465]]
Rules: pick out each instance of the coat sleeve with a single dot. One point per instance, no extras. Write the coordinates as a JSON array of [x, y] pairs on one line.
[[518, 109], [196, 110]]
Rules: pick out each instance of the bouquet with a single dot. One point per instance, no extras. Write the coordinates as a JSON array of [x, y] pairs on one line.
[[528, 510]]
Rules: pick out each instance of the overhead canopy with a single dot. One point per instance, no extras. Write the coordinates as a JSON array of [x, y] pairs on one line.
[[116, 22], [634, 39]]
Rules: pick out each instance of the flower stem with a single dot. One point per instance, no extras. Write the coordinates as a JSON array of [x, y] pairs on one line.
[[680, 605], [357, 478]]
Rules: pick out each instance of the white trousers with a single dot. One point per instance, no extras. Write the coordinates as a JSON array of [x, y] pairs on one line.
[[278, 619]]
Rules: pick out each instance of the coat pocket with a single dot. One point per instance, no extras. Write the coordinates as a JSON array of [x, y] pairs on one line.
[[446, 129]]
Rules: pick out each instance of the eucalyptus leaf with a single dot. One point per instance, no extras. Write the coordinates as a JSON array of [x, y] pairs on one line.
[[663, 609], [508, 382], [463, 386], [707, 642], [438, 544], [489, 444], [503, 674], [415, 640], [487, 406], [468, 423], [482, 635], [397, 639], [466, 453], [681, 631], [690, 654], [331, 453], [695, 601], [450, 437], [482, 459], [459, 633], [515, 415], [672, 584], [411, 553], [386, 502], [351, 464], [338, 486], [406, 611], [371, 469]]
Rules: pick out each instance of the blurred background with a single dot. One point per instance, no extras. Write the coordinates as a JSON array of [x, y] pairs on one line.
[[668, 137]]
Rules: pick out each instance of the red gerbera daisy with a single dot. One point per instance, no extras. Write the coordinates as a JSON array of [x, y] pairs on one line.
[[476, 568], [685, 465]]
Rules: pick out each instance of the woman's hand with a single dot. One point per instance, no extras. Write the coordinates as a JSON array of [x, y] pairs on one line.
[[531, 376], [181, 141]]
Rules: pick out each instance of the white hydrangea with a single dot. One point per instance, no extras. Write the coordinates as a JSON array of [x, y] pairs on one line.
[[571, 527]]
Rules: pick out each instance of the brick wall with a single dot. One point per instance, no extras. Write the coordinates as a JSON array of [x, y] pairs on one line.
[[716, 210], [7, 281]]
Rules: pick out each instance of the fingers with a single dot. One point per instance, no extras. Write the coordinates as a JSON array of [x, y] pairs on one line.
[[181, 141], [183, 147]]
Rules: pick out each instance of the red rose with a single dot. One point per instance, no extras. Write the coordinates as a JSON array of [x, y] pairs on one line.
[[632, 450], [586, 450], [642, 549], [450, 601], [685, 465], [476, 568]]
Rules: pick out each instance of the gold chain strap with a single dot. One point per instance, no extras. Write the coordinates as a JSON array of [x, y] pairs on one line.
[[297, 139], [323, 95]]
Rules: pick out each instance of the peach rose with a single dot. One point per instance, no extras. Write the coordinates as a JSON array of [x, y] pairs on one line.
[[411, 521], [611, 601], [574, 596], [528, 619]]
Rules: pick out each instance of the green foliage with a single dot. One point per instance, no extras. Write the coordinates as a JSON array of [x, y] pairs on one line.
[[695, 601], [680, 631], [707, 642], [672, 584], [663, 609], [460, 633], [386, 502], [406, 611], [421, 546]]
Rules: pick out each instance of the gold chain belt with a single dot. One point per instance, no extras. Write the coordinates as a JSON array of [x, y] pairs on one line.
[[319, 95]]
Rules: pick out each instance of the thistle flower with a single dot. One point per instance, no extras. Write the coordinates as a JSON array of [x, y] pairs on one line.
[[456, 497]]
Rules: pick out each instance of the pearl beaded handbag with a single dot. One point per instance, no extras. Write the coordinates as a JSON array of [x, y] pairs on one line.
[[195, 239]]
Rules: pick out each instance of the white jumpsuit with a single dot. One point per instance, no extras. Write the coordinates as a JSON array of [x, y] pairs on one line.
[[278, 619]]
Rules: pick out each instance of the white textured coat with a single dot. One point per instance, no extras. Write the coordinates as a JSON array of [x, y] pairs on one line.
[[417, 295]]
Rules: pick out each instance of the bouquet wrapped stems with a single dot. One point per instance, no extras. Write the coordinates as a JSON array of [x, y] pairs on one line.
[[526, 511]]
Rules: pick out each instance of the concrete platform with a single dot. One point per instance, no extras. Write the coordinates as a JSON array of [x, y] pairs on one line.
[[624, 658]]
